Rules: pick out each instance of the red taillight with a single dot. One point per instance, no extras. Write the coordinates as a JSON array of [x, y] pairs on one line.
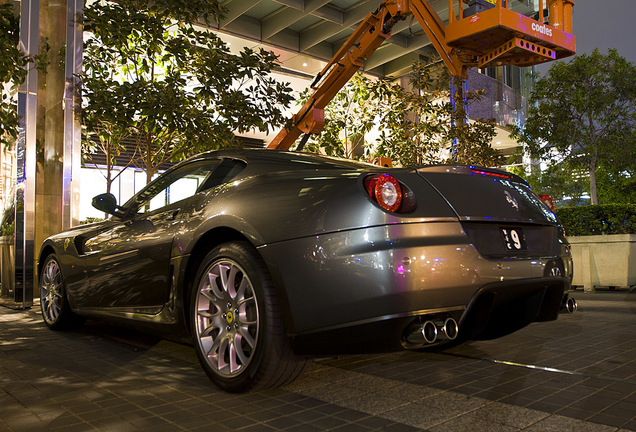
[[385, 190], [547, 200]]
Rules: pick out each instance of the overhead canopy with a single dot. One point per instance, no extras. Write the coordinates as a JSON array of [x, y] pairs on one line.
[[317, 28]]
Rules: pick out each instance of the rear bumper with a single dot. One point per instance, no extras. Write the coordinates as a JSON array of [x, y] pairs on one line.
[[357, 290], [494, 310]]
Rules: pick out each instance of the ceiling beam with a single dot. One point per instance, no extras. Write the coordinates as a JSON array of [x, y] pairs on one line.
[[386, 52], [350, 19], [286, 16], [236, 8]]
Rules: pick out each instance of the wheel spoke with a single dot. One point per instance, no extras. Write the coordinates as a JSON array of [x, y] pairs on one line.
[[53, 311], [216, 346], [243, 357], [245, 334], [208, 331], [240, 293], [49, 271], [221, 354], [246, 322], [207, 314], [244, 314], [210, 295], [213, 280], [231, 280], [223, 274], [233, 353]]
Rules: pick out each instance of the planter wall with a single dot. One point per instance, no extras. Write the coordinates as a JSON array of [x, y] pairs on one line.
[[604, 260], [7, 265]]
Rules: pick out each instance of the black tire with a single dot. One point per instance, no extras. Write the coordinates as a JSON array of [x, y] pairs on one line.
[[54, 306], [238, 334]]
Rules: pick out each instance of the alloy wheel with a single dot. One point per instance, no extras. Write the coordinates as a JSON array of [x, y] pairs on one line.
[[227, 318], [51, 291]]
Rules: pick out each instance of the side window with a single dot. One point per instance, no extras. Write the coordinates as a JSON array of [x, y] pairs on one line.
[[182, 188], [226, 171], [174, 186]]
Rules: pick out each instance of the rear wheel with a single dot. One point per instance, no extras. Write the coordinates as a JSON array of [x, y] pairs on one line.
[[54, 306], [554, 268], [237, 330]]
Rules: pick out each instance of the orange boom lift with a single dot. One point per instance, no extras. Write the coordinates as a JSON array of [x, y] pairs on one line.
[[496, 36]]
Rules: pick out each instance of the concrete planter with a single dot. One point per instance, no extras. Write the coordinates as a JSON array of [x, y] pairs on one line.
[[7, 276], [604, 261]]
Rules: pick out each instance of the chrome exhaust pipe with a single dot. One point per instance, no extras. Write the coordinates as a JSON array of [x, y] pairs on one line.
[[439, 330], [569, 305], [449, 329], [429, 332]]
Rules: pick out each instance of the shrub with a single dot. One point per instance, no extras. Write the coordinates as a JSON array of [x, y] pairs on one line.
[[90, 220], [598, 219]]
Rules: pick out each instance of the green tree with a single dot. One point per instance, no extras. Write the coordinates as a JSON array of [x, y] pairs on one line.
[[415, 126], [582, 117], [564, 187], [347, 120], [13, 64], [151, 73]]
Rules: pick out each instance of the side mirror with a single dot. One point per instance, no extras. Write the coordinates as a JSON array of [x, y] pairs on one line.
[[106, 202]]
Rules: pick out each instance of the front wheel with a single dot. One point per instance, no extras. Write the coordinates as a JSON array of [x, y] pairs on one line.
[[56, 312], [238, 334]]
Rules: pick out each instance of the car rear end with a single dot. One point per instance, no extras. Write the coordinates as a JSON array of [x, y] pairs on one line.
[[414, 258]]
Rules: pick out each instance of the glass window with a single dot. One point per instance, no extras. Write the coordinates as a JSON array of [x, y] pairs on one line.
[[173, 186]]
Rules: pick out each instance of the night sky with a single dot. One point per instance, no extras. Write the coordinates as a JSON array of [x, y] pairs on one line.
[[604, 24]]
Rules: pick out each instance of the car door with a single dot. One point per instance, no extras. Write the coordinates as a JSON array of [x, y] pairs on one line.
[[128, 264]]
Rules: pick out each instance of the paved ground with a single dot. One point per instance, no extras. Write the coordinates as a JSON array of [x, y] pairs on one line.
[[575, 374]]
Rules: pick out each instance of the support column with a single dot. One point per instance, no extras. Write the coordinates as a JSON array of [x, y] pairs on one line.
[[72, 110], [50, 129], [458, 92], [59, 134], [48, 149], [26, 160]]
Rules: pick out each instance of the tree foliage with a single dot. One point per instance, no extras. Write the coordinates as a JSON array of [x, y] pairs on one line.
[[564, 187], [582, 119], [13, 71], [151, 74], [415, 125]]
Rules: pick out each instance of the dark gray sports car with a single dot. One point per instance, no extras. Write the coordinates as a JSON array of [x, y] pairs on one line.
[[266, 258]]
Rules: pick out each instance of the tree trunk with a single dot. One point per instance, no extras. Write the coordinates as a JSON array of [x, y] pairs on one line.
[[592, 172], [109, 167], [149, 167]]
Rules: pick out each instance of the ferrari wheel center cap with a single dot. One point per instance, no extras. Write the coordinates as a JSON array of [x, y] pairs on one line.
[[229, 317]]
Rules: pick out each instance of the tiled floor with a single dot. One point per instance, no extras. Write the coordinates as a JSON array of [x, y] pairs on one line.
[[575, 374]]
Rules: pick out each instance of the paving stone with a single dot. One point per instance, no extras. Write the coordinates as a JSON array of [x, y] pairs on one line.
[[566, 424], [105, 378], [509, 415]]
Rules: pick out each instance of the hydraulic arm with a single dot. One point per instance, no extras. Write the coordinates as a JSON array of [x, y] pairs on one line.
[[493, 37]]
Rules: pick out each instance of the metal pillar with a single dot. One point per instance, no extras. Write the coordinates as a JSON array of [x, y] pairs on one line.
[[72, 127], [26, 159], [55, 191], [458, 91]]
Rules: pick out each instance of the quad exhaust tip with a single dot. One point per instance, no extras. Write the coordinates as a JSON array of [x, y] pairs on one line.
[[569, 305], [434, 331]]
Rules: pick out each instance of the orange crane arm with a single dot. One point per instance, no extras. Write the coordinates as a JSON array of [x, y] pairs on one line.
[[373, 30], [494, 37]]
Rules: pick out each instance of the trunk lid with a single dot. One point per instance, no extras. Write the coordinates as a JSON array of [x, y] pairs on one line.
[[498, 211], [479, 194]]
